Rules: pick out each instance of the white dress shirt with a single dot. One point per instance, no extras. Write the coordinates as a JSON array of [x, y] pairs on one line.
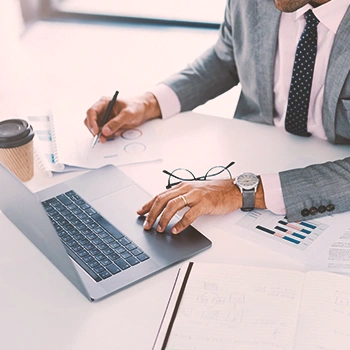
[[291, 27]]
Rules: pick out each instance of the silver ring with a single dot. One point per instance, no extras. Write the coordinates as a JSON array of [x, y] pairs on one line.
[[184, 199]]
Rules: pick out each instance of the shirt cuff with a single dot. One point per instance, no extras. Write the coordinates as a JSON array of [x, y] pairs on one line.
[[167, 99], [273, 193]]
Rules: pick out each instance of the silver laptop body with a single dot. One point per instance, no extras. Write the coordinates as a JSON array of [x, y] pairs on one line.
[[116, 197]]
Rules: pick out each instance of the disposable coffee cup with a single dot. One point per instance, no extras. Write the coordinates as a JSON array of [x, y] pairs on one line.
[[16, 147]]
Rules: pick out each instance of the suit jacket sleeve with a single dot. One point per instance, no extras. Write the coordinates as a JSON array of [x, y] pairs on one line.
[[210, 75], [317, 186]]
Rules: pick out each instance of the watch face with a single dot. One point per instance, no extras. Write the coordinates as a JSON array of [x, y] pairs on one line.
[[247, 181]]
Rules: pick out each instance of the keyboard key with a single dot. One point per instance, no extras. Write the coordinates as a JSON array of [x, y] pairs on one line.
[[77, 248], [80, 202], [72, 243], [125, 254], [97, 241], [100, 256], [136, 251], [94, 251], [120, 250], [91, 236], [102, 246], [131, 246], [105, 262], [72, 207], [104, 234], [113, 269], [88, 258], [124, 241], [90, 211], [88, 246], [92, 225], [114, 256], [82, 253], [143, 257], [132, 261], [105, 275], [108, 239], [122, 264], [108, 251], [99, 269], [93, 263], [64, 199], [114, 245], [66, 238]]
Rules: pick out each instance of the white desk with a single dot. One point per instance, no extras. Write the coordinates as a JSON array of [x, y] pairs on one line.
[[39, 307]]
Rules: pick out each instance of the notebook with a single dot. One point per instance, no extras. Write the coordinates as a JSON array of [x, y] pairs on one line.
[[60, 149], [110, 199], [222, 306]]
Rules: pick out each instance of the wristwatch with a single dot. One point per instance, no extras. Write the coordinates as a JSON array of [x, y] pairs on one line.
[[247, 184]]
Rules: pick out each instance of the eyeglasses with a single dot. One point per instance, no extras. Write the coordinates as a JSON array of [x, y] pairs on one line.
[[183, 174]]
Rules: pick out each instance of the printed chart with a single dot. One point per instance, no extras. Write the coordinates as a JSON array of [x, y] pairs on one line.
[[297, 234]]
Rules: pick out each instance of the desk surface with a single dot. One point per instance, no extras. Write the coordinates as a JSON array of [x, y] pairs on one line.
[[40, 309]]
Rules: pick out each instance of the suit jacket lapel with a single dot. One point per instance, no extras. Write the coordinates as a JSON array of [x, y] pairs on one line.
[[267, 24], [338, 69]]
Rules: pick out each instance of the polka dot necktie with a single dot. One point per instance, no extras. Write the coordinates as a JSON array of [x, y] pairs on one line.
[[300, 87]]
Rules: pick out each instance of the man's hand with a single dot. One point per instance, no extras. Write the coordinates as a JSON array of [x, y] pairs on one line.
[[202, 197], [126, 114]]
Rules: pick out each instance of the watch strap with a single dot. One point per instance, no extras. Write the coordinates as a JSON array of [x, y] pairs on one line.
[[248, 197]]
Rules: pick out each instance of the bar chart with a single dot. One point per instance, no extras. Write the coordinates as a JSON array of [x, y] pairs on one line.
[[297, 234]]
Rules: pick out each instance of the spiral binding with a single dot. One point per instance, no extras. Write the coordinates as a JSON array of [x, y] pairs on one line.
[[58, 165]]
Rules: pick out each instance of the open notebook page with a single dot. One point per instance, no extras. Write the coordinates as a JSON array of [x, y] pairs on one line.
[[324, 321], [232, 307]]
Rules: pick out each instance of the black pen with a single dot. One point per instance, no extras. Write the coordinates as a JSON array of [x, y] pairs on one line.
[[106, 117]]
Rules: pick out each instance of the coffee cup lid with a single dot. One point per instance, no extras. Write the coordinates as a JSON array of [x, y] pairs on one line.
[[15, 133]]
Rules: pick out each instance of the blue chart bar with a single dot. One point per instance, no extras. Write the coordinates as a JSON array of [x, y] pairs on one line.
[[298, 235], [308, 225], [291, 239]]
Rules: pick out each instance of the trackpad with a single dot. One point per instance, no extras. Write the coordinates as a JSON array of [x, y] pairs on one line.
[[120, 207]]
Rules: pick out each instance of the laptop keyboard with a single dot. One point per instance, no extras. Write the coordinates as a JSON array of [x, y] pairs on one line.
[[97, 246]]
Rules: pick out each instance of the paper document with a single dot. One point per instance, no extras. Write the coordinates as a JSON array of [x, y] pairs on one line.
[[304, 240], [74, 142]]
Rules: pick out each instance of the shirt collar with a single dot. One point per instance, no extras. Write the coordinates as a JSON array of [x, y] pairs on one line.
[[329, 14]]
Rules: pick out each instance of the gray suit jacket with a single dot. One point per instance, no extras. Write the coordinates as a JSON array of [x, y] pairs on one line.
[[245, 53]]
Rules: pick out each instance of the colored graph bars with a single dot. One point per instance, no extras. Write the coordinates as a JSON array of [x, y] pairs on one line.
[[298, 234]]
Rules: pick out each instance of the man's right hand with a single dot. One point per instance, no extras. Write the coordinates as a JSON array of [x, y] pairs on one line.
[[126, 114]]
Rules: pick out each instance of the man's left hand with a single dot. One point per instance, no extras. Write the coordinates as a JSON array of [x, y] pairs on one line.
[[202, 197]]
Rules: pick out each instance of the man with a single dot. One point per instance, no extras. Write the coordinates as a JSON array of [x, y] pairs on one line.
[[270, 48]]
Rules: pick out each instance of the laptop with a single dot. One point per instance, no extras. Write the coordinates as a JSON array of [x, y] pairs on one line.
[[88, 228]]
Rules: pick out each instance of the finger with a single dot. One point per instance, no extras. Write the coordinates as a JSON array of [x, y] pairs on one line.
[[91, 122], [116, 124], [93, 115], [146, 207], [172, 207], [155, 206], [188, 218]]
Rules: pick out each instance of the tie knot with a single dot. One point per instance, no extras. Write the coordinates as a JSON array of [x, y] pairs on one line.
[[311, 19]]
